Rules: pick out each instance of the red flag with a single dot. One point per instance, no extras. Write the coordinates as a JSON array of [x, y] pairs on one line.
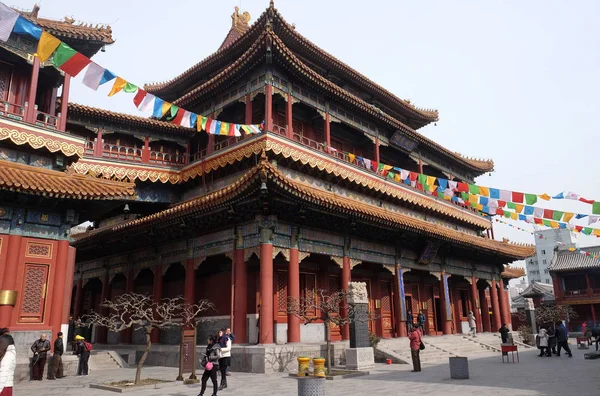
[[517, 197], [501, 204], [538, 221], [413, 176], [374, 165], [499, 212], [579, 228], [178, 117], [75, 64], [139, 97], [419, 186], [548, 213], [462, 187], [588, 201]]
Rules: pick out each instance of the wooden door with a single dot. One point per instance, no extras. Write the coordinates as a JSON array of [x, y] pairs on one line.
[[387, 319], [33, 299], [335, 287]]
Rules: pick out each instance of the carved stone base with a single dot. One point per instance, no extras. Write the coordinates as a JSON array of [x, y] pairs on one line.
[[360, 358]]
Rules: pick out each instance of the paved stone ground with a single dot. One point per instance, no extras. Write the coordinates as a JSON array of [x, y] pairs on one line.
[[489, 376]]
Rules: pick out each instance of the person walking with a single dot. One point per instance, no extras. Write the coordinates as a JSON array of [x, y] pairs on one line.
[[409, 321], [415, 338], [8, 363], [40, 350], [472, 324], [421, 321], [56, 371], [504, 336], [230, 335], [562, 339], [543, 337], [551, 330], [210, 362], [225, 360], [83, 352]]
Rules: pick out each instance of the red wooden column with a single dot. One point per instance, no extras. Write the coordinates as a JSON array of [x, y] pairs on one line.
[[78, 303], [266, 287], [485, 312], [506, 296], [376, 290], [476, 304], [504, 309], [400, 303], [102, 336], [293, 288], [445, 303], [99, 146], [240, 305], [420, 165], [64, 103], [33, 84], [377, 149], [346, 279], [326, 130], [269, 108], [146, 150], [9, 281], [127, 334], [495, 306], [558, 293], [190, 280], [157, 291], [288, 116], [248, 114]]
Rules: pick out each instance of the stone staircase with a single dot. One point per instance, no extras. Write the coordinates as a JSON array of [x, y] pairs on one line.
[[106, 360]]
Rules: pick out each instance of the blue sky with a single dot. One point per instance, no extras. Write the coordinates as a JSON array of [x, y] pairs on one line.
[[515, 81]]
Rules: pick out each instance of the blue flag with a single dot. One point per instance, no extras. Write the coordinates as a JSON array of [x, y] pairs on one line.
[[25, 26]]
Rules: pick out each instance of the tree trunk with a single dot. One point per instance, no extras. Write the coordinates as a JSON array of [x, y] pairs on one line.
[[328, 339], [138, 372]]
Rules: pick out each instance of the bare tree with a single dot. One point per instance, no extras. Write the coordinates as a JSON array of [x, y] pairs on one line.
[[133, 310], [329, 308], [554, 313]]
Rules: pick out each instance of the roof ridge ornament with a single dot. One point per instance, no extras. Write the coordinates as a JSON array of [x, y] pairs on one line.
[[240, 22]]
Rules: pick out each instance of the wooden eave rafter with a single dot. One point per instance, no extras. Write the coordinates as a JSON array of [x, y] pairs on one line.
[[276, 180]]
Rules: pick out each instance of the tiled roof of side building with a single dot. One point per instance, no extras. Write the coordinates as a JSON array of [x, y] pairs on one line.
[[40, 181], [324, 199], [94, 113], [69, 28], [567, 260]]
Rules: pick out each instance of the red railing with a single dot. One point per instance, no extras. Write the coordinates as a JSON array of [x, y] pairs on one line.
[[46, 120], [89, 147], [596, 292], [124, 153], [280, 130], [160, 158], [12, 110]]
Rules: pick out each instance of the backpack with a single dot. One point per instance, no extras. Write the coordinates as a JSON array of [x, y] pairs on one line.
[[88, 346]]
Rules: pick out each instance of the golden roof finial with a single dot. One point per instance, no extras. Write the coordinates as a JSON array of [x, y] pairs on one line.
[[240, 21]]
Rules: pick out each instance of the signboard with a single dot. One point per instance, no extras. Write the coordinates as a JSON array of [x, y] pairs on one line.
[[187, 354], [400, 140]]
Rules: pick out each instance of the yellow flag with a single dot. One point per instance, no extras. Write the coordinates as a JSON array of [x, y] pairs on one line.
[[473, 199], [554, 224], [545, 197], [46, 46], [519, 208], [431, 180], [484, 191], [479, 207], [117, 86], [597, 232], [351, 157], [224, 128], [387, 167], [514, 216], [568, 216], [165, 107], [397, 177]]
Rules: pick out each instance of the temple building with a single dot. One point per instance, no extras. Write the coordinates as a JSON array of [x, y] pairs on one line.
[[576, 279], [40, 197], [249, 222]]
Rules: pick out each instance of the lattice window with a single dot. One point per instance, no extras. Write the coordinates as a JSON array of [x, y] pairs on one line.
[[42, 250], [34, 293], [334, 285], [386, 300], [308, 290], [282, 292], [415, 301]]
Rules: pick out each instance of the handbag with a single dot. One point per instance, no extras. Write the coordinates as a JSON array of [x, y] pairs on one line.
[[421, 346], [209, 366]]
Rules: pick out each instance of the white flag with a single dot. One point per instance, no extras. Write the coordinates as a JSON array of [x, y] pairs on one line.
[[538, 212], [185, 121], [8, 18], [93, 75], [147, 105]]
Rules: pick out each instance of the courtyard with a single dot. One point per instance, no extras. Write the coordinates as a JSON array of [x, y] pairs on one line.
[[532, 376]]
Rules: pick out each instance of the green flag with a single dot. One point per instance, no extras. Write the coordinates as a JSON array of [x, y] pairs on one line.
[[530, 199], [557, 215], [464, 196], [546, 223], [130, 88], [473, 189], [596, 207], [62, 55], [587, 230], [511, 205], [422, 179]]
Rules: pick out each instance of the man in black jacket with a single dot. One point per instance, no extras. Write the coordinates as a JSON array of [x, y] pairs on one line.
[[40, 350], [57, 366], [421, 321], [562, 339]]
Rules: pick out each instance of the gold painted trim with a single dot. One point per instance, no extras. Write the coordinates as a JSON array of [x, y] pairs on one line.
[[20, 138], [8, 297]]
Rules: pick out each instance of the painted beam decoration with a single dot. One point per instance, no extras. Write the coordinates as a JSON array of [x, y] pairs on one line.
[[71, 62]]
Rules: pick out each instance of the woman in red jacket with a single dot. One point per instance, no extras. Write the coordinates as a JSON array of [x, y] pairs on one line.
[[415, 347]]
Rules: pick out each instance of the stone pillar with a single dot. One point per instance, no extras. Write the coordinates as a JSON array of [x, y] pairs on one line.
[[293, 287], [485, 312], [102, 335], [9, 281], [495, 306], [157, 292], [530, 314], [445, 303], [288, 116], [266, 286], [64, 104], [33, 84], [360, 355], [248, 115], [345, 279], [476, 304], [326, 130], [400, 303], [269, 107], [240, 305]]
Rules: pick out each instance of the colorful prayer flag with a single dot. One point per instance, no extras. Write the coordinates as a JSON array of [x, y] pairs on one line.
[[517, 197], [107, 76], [147, 104], [25, 26], [75, 65], [557, 215], [568, 216], [473, 189], [545, 197], [130, 88], [62, 55], [494, 193], [178, 117], [8, 19], [117, 86], [46, 46], [158, 105], [93, 76], [139, 97], [596, 208], [530, 199], [485, 191]]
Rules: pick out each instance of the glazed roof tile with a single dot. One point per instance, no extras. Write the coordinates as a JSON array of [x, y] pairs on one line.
[[536, 289], [76, 109], [512, 272], [566, 260], [321, 198], [40, 181]]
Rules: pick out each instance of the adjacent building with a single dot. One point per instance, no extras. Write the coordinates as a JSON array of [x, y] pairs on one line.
[[545, 242]]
